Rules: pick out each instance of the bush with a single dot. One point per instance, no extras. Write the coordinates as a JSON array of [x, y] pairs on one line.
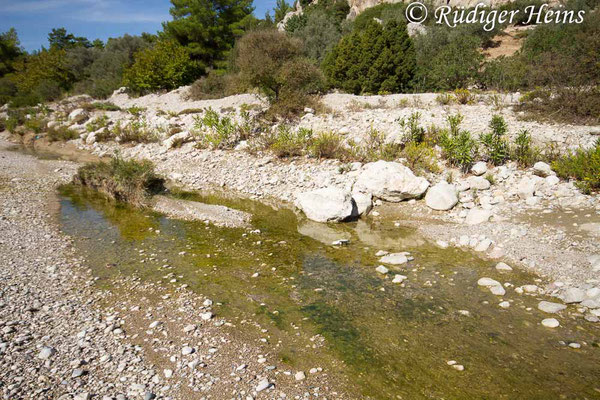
[[583, 166], [463, 96], [165, 66], [273, 62], [328, 145], [574, 105], [420, 157], [134, 132], [495, 144], [523, 153], [446, 59], [374, 60], [413, 131], [215, 85], [61, 133], [129, 181], [216, 132], [289, 143], [458, 146], [319, 34]]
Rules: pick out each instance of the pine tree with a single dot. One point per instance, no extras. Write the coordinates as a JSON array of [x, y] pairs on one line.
[[208, 28]]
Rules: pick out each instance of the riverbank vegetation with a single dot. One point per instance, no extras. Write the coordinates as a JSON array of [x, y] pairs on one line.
[[320, 50], [129, 181]]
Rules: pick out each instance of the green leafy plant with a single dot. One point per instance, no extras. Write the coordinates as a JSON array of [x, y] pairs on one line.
[[495, 144], [97, 123], [289, 143], [136, 131], [214, 131], [458, 146], [444, 99], [523, 152], [463, 96], [413, 131], [328, 145], [61, 133], [420, 157], [583, 165]]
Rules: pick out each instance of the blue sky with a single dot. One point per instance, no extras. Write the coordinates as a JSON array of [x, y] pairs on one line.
[[33, 19]]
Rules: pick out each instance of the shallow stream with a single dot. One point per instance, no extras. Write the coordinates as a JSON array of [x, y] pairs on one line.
[[326, 306]]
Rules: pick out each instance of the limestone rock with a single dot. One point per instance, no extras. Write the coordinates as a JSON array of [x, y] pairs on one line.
[[441, 197], [390, 181], [326, 205]]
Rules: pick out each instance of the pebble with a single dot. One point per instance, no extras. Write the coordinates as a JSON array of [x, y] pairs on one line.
[[262, 385], [382, 270], [299, 376], [550, 323]]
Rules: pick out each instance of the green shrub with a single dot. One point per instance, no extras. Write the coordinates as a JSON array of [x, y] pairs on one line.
[[446, 59], [319, 34], [376, 148], [165, 66], [216, 132], [328, 145], [523, 153], [97, 123], [105, 106], [289, 143], [136, 111], [374, 60], [458, 146], [413, 131], [136, 131], [581, 165], [274, 63], [420, 157], [496, 147], [574, 105], [36, 124], [216, 85], [61, 133], [464, 96], [444, 99], [129, 181]]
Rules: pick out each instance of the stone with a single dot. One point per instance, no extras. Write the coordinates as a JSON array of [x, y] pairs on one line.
[[498, 290], [91, 138], [479, 168], [390, 181], [299, 376], [441, 197], [382, 270], [263, 385], [399, 278], [478, 216], [187, 350], [550, 323], [206, 316], [494, 286], [549, 307], [394, 259], [326, 205], [484, 245], [525, 188], [364, 203], [572, 295], [168, 373], [503, 267], [46, 352], [504, 304], [82, 396], [479, 183], [542, 169], [78, 116]]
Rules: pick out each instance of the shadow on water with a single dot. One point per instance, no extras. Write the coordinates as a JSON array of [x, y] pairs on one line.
[[390, 340]]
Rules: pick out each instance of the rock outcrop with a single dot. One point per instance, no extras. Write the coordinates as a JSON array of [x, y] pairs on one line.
[[390, 181]]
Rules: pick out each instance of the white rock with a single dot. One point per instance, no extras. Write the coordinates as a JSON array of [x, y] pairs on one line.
[[442, 244], [479, 183], [186, 350], [262, 385], [78, 116], [477, 216], [176, 138], [364, 202], [551, 308], [441, 197], [498, 290], [572, 295], [488, 282], [394, 259], [503, 267], [550, 323], [479, 168], [382, 270], [484, 245], [504, 304], [206, 316], [46, 352], [526, 188], [300, 376], [326, 205], [390, 181], [168, 373], [542, 169], [399, 278]]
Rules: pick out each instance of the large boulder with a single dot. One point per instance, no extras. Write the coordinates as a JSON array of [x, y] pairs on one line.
[[441, 197], [542, 169], [364, 202], [327, 204], [390, 181], [78, 116]]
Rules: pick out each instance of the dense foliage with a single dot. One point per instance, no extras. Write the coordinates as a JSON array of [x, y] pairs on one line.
[[374, 60]]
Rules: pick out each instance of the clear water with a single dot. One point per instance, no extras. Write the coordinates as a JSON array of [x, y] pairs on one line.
[[326, 306]]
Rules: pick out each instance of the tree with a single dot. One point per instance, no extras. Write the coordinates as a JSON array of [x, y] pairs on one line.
[[166, 65], [373, 60], [208, 28], [60, 39], [10, 51], [274, 62], [281, 8]]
